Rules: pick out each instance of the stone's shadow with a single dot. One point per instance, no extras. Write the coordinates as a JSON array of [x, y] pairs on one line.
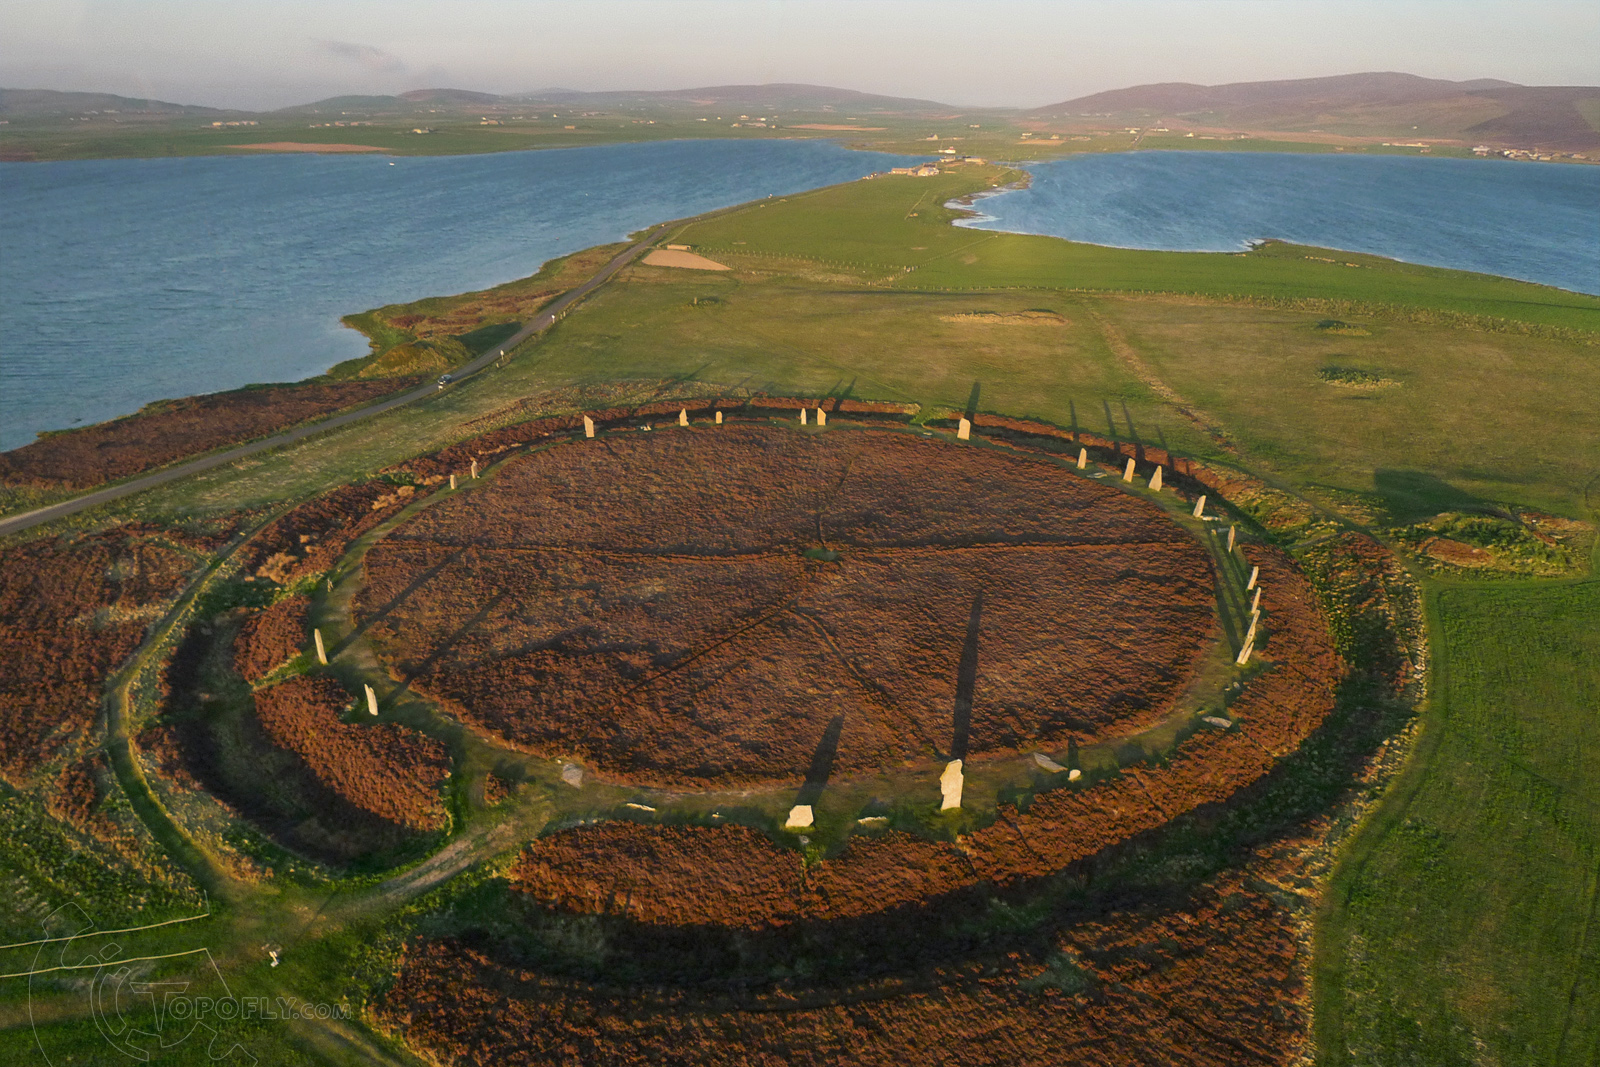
[[1133, 434], [1072, 410], [426, 666], [1414, 495], [822, 760], [973, 397], [966, 682], [360, 629]]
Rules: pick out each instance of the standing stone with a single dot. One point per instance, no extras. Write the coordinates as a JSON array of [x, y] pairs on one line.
[[1244, 654], [1083, 458], [588, 426], [1255, 572], [1127, 475], [1155, 482], [683, 416], [822, 417], [800, 818], [1255, 603], [803, 417], [963, 430], [322, 653], [452, 481], [1250, 634], [372, 700], [474, 470], [950, 785], [719, 418], [1233, 532], [1200, 507]]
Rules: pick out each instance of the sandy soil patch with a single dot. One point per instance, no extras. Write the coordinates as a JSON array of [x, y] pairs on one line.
[[303, 146], [668, 257]]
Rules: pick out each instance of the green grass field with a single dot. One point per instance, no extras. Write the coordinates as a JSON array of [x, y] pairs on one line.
[[1462, 927]]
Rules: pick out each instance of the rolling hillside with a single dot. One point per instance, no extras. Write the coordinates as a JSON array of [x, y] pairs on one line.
[[1380, 104]]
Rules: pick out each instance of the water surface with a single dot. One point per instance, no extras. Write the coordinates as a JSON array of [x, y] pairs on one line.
[[129, 280], [1536, 221]]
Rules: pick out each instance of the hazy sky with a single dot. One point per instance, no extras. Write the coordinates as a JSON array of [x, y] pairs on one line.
[[259, 53]]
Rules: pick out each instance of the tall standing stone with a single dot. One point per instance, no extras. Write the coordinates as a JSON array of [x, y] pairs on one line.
[[822, 417], [322, 653], [719, 418], [683, 416], [452, 481], [963, 430], [1255, 572], [1155, 480], [1244, 654], [1083, 458], [474, 470], [588, 426], [1200, 507], [1127, 475], [1255, 603], [1233, 532], [800, 818], [372, 700], [950, 783]]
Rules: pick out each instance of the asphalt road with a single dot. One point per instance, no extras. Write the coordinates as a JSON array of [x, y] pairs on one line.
[[544, 321]]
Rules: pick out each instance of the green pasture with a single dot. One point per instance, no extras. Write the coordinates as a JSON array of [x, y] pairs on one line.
[[1462, 926], [1463, 418]]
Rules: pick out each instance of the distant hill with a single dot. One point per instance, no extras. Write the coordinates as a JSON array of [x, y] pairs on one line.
[[779, 96], [449, 96], [45, 102], [1387, 104], [364, 104]]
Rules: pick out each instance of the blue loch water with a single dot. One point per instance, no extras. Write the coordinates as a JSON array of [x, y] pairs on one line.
[[1536, 221], [126, 281], [129, 280]]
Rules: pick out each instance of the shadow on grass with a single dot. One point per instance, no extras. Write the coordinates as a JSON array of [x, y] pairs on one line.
[[821, 768], [1414, 495], [486, 337]]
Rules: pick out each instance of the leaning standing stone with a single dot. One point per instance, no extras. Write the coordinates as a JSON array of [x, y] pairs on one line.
[[950, 785]]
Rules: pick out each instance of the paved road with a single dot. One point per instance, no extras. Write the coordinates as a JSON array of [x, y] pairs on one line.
[[546, 319]]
